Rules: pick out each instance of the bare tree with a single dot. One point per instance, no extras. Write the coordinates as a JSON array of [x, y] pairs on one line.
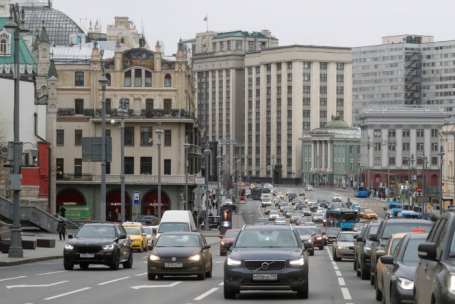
[[227, 181]]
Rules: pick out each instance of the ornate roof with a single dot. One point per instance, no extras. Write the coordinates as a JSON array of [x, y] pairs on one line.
[[337, 123]]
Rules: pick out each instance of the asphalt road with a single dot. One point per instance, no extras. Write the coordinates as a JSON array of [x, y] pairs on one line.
[[48, 282]]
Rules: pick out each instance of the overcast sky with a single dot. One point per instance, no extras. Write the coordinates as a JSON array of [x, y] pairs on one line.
[[347, 23]]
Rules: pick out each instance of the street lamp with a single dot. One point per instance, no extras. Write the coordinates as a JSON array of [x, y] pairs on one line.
[[187, 146], [16, 17], [159, 132], [441, 156], [207, 153], [103, 82]]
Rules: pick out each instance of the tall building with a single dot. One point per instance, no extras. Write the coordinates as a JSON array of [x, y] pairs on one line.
[[403, 70]]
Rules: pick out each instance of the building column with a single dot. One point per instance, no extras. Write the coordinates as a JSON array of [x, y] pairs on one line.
[[312, 155], [329, 156], [322, 154]]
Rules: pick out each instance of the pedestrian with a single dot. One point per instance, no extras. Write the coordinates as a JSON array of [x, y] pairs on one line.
[[62, 211], [61, 229]]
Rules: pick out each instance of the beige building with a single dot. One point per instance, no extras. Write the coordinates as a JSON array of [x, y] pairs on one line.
[[448, 175], [125, 32], [289, 91]]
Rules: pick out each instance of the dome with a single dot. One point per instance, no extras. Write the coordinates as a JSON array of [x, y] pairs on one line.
[[58, 25], [337, 123]]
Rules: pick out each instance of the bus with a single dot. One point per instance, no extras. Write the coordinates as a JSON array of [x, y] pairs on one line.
[[342, 218], [393, 208], [256, 194], [406, 214], [360, 191]]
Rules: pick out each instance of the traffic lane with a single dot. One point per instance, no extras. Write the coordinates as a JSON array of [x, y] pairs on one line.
[[251, 211]]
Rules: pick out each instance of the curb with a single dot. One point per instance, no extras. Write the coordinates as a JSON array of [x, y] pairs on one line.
[[28, 261]]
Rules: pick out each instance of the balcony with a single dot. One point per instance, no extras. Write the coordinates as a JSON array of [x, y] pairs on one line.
[[144, 179]]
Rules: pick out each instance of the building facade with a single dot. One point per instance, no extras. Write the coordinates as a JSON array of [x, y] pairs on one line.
[[289, 91], [403, 70], [448, 171], [331, 155]]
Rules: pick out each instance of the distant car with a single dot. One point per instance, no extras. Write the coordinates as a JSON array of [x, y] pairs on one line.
[[273, 215], [280, 195], [228, 201], [292, 197], [343, 247], [336, 198], [288, 212], [305, 236], [268, 209], [370, 214], [300, 221], [296, 214], [280, 221], [332, 234], [313, 206], [323, 203], [359, 226], [302, 193], [151, 233], [283, 205], [317, 217], [307, 211], [299, 206], [362, 248], [262, 221], [266, 201], [289, 191], [318, 238], [309, 188]]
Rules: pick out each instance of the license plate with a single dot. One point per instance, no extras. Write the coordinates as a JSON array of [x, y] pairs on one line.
[[173, 265], [265, 277], [87, 255]]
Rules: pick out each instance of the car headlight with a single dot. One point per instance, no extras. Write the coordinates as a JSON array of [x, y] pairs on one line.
[[222, 243], [297, 262], [406, 284], [233, 262], [154, 257], [309, 241], [452, 283], [108, 247], [69, 247], [342, 247], [196, 257]]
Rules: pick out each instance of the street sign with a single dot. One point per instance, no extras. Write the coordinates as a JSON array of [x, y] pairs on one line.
[[415, 185], [410, 187], [136, 197], [419, 190], [419, 193], [450, 207], [362, 184], [248, 177], [200, 180], [429, 207]]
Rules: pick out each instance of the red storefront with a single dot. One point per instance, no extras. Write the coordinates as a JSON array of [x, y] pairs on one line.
[[114, 207], [69, 197], [150, 203]]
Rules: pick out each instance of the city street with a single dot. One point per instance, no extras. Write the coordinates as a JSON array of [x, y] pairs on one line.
[[46, 282]]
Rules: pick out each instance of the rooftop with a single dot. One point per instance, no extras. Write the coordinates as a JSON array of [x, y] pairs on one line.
[[25, 57]]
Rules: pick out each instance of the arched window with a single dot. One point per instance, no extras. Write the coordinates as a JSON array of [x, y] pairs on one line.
[[108, 76], [3, 46], [122, 40], [167, 80], [128, 79]]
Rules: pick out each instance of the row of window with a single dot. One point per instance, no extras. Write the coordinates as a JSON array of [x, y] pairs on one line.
[[306, 65], [306, 89], [392, 160], [306, 77], [406, 147], [268, 163], [204, 95], [306, 113], [149, 106], [220, 73], [306, 102], [80, 79], [205, 85], [406, 132]]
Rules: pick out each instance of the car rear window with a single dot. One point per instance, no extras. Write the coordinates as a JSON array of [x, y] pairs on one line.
[[392, 228], [232, 234], [373, 230], [347, 237], [173, 227], [303, 231]]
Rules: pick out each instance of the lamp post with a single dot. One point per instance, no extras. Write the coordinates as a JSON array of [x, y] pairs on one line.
[[207, 153], [16, 26], [425, 179], [122, 109], [187, 146], [390, 144], [368, 145], [218, 158], [441, 156], [412, 173], [273, 169], [159, 132]]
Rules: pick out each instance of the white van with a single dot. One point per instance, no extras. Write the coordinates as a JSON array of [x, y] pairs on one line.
[[176, 220]]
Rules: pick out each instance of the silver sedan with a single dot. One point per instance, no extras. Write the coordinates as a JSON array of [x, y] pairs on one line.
[[343, 247]]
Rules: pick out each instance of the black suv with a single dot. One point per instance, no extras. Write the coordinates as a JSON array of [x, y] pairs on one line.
[[323, 203], [434, 280], [266, 258], [362, 248], [105, 244], [386, 228]]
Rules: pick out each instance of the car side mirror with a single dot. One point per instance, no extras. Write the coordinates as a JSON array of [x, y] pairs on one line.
[[427, 251], [220, 236], [355, 237], [360, 239], [227, 245], [70, 236], [387, 260], [380, 253], [122, 237], [207, 247], [373, 237]]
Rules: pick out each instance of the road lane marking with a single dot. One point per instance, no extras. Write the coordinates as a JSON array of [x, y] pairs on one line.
[[260, 211], [206, 294], [341, 282], [346, 294], [141, 274], [51, 272], [12, 278], [67, 293], [219, 262], [156, 286], [26, 286], [108, 282], [334, 264], [221, 284], [338, 273], [335, 267]]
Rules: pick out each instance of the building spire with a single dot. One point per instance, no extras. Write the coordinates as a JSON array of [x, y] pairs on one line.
[[44, 37], [52, 70]]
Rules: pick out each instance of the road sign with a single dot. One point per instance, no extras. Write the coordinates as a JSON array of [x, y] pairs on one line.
[[419, 193], [450, 207], [419, 190], [248, 177], [349, 173], [200, 180], [136, 197], [429, 207], [362, 184], [410, 187], [415, 185]]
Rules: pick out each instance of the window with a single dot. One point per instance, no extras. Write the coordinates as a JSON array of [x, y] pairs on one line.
[[405, 160], [419, 146], [289, 77], [278, 101], [138, 78], [323, 65], [434, 160], [323, 101], [306, 125], [148, 79], [129, 165], [340, 66], [129, 136], [434, 147], [60, 137], [340, 78], [167, 167], [167, 138], [306, 113], [107, 106], [3, 46], [78, 167], [289, 65], [258, 150], [269, 102], [323, 114], [323, 77], [392, 147], [340, 102], [167, 106], [306, 64], [289, 101], [278, 90], [257, 138], [269, 91], [377, 160], [377, 133], [79, 79], [392, 160], [79, 107], [250, 70], [340, 90], [434, 133], [221, 73], [289, 137], [146, 165], [77, 137], [278, 66], [269, 114], [377, 146], [146, 136], [278, 137], [289, 89], [108, 77], [257, 164], [406, 132], [278, 78], [214, 74], [391, 133], [250, 45], [214, 46], [221, 46], [228, 45], [228, 105], [306, 89], [258, 92], [128, 79], [278, 114], [278, 125], [306, 101], [406, 146], [167, 80], [289, 125], [323, 89], [108, 133], [289, 113], [420, 132], [228, 82]]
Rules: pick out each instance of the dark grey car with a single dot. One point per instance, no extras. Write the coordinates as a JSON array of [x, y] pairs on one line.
[[362, 248], [266, 258]]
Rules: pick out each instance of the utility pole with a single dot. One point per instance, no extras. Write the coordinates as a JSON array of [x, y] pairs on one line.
[[159, 131], [187, 146], [122, 158], [273, 169], [103, 82], [368, 145], [441, 156], [389, 143], [207, 153], [411, 181]]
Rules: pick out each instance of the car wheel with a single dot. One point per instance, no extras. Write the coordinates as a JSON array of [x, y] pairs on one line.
[[151, 276], [358, 272], [146, 248], [228, 294], [378, 293], [83, 266], [208, 274], [68, 266], [129, 263], [302, 294], [116, 264], [335, 257], [202, 275], [160, 276], [364, 274], [142, 249], [321, 247], [371, 278]]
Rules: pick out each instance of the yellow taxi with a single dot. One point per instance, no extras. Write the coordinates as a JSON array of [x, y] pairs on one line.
[[280, 195], [370, 214], [252, 186], [137, 235]]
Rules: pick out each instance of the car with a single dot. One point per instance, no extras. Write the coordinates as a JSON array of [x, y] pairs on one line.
[[355, 206], [289, 191], [283, 266], [266, 201], [307, 212], [317, 217], [248, 193], [273, 192], [147, 220], [151, 232], [228, 201], [283, 205], [300, 221], [252, 186], [359, 226], [389, 250], [277, 201], [299, 206], [287, 212], [434, 277], [180, 254], [399, 271], [362, 211], [292, 197], [318, 238], [280, 195], [268, 186], [331, 234], [336, 198], [309, 188], [313, 206], [302, 193], [178, 220], [103, 244], [370, 214], [386, 228], [343, 246], [362, 248], [321, 210], [280, 221], [305, 236], [295, 215], [273, 215], [137, 235], [228, 236], [323, 203], [268, 209], [309, 224], [262, 221]]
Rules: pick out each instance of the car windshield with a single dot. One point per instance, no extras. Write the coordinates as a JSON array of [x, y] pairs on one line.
[[169, 240], [310, 224], [347, 237], [133, 231], [284, 204], [173, 227], [266, 199], [232, 234], [315, 231], [96, 232], [147, 230], [318, 214], [373, 230], [281, 220], [273, 212], [267, 239], [303, 231], [392, 228], [410, 254], [263, 220], [333, 231], [322, 201]]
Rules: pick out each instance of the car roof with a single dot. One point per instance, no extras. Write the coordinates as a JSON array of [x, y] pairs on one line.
[[182, 233], [267, 228], [346, 232], [402, 221], [399, 235], [101, 224], [232, 230]]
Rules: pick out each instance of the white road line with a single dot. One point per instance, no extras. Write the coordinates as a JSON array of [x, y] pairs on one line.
[[156, 286], [260, 211], [51, 272], [206, 294], [33, 286], [67, 293], [13, 278], [334, 264], [335, 267], [140, 274], [108, 282], [218, 262], [221, 284], [341, 282], [338, 273], [346, 294]]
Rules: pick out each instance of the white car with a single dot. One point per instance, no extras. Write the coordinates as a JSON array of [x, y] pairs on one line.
[[228, 201], [266, 201], [273, 215], [321, 210], [280, 221], [318, 217], [309, 188], [336, 198], [289, 191]]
